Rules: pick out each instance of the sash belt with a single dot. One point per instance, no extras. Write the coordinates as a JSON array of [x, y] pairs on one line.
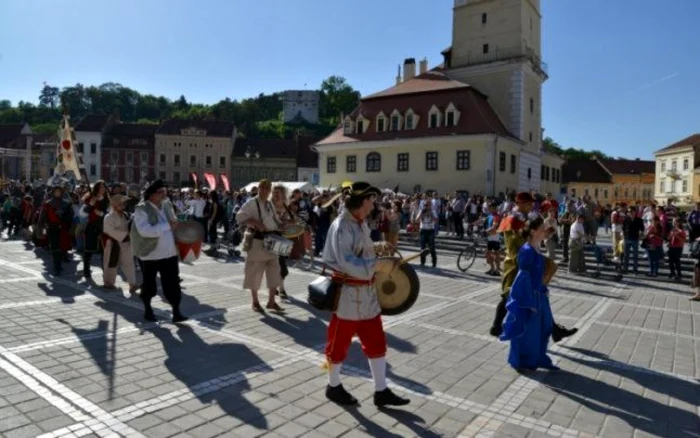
[[341, 278]]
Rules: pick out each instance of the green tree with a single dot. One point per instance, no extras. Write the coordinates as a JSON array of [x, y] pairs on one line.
[[337, 96], [49, 96]]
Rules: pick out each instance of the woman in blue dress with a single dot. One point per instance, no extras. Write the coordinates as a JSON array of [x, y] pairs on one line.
[[528, 324]]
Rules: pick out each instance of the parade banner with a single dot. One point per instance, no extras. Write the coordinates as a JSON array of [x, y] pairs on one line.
[[211, 180], [194, 178], [224, 179]]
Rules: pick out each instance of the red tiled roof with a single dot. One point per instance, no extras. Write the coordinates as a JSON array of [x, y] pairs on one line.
[[584, 170], [92, 123], [693, 140], [9, 133], [476, 114], [629, 167], [426, 82], [307, 157]]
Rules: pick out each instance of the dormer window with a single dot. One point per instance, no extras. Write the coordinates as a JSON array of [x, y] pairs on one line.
[[451, 115], [360, 126], [381, 122], [434, 117], [409, 121], [450, 121], [395, 123], [347, 127]]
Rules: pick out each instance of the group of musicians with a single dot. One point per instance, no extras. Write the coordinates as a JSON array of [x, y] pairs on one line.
[[348, 254]]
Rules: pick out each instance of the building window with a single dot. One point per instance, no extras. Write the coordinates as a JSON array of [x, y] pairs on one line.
[[402, 163], [380, 124], [80, 148], [529, 173], [530, 136], [176, 159], [532, 105], [395, 123], [431, 161], [513, 163], [360, 126], [485, 49], [351, 163], [433, 120], [161, 175], [409, 121], [661, 186], [222, 162], [616, 192], [674, 165], [113, 174], [129, 159], [685, 186], [542, 171], [93, 148], [114, 157], [502, 161], [374, 162], [663, 166], [207, 161], [144, 158], [463, 160], [176, 177], [93, 170], [685, 164], [605, 193], [546, 173], [161, 159], [450, 119], [129, 174], [484, 18], [348, 127], [193, 160], [330, 165]]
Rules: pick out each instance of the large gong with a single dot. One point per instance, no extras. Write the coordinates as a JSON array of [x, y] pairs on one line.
[[397, 291]]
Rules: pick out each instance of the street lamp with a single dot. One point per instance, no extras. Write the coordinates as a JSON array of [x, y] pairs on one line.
[[251, 154]]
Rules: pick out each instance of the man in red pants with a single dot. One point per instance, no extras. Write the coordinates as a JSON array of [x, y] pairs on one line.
[[349, 253]]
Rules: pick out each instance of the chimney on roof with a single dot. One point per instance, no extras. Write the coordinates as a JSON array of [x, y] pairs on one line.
[[423, 66], [398, 76], [409, 69]]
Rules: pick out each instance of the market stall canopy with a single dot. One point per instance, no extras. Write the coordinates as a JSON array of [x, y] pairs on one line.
[[289, 185]]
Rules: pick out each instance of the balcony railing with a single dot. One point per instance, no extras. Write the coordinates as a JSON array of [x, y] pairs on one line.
[[510, 54], [673, 173]]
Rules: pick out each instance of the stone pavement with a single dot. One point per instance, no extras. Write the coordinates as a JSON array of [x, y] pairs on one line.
[[79, 361]]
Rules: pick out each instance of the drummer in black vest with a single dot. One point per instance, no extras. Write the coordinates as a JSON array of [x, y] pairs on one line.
[[258, 214]]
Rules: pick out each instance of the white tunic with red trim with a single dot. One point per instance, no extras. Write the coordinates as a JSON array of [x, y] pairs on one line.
[[349, 250]]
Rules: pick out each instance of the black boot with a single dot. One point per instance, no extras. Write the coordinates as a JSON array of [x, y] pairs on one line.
[[87, 258], [338, 395], [501, 311], [388, 398], [560, 332], [148, 314], [179, 317]]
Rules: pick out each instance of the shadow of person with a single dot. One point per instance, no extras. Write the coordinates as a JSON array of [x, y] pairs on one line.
[[408, 419], [660, 383], [639, 412], [311, 333], [192, 361], [65, 293]]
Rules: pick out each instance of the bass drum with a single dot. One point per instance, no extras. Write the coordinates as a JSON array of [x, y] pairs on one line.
[[188, 239], [397, 292]]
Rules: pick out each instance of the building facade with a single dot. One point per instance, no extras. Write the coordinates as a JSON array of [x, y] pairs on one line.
[[17, 158], [186, 147], [254, 159], [496, 48], [128, 151], [550, 173], [610, 181], [300, 106], [88, 136], [677, 169]]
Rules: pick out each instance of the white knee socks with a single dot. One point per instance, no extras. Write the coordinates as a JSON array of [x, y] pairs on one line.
[[334, 374], [378, 367]]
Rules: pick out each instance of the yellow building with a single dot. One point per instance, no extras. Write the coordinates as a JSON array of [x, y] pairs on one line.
[[610, 181], [677, 168], [472, 124]]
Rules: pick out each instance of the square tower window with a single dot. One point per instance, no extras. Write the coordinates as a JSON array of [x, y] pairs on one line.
[[485, 48], [484, 18]]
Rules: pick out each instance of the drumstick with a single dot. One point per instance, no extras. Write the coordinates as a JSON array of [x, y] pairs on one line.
[[413, 257]]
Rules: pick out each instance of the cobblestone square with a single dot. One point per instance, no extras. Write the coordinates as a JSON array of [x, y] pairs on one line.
[[76, 360]]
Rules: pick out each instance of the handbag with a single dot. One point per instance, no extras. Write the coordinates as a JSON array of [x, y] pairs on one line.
[[324, 293]]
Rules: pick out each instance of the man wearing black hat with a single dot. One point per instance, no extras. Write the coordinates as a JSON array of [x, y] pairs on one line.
[[153, 242], [349, 254], [57, 216]]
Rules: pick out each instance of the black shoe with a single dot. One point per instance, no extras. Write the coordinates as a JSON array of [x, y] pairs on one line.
[[560, 332], [150, 316], [338, 395], [388, 398], [283, 294], [496, 331], [178, 317]]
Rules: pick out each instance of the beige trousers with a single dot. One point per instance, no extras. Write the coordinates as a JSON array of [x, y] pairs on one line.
[[259, 262], [126, 262]]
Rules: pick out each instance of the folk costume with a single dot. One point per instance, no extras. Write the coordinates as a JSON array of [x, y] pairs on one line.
[[57, 217], [94, 209], [528, 323], [349, 254], [117, 247], [512, 227], [153, 242]]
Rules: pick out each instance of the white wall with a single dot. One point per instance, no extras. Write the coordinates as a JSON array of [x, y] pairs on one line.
[[89, 159]]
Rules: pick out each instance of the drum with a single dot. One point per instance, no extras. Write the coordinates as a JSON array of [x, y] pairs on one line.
[[188, 239], [550, 268], [384, 249], [278, 245], [398, 291]]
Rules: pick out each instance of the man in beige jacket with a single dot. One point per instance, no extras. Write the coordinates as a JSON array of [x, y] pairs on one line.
[[117, 246]]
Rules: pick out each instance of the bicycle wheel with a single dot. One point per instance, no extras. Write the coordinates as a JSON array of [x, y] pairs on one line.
[[466, 258]]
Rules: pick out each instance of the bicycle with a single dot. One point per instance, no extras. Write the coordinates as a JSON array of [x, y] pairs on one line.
[[467, 255]]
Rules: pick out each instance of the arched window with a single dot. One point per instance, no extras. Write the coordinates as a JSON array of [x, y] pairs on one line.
[[374, 162]]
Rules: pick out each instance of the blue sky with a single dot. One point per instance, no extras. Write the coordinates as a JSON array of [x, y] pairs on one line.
[[624, 74]]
